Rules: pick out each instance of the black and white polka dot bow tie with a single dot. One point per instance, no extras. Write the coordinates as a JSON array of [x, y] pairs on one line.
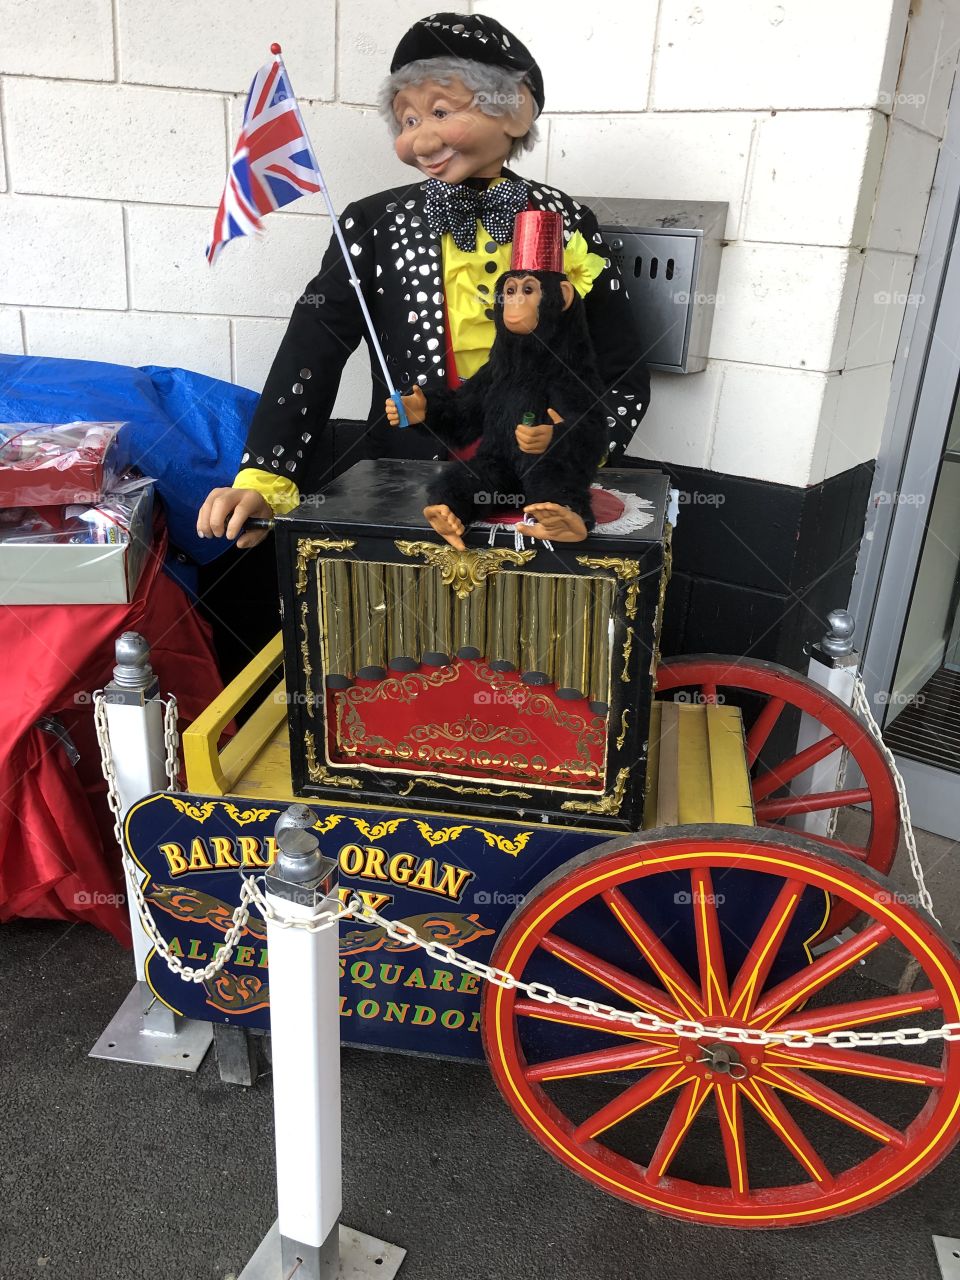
[[455, 207]]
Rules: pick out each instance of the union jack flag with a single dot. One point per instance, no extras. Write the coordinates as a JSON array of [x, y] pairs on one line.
[[273, 162]]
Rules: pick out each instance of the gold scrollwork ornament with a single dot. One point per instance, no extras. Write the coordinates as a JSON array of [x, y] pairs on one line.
[[464, 570]]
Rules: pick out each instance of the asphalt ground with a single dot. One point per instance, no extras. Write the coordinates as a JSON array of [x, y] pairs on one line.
[[110, 1171]]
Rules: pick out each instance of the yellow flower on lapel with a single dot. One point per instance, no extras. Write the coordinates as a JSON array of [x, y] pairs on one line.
[[581, 266]]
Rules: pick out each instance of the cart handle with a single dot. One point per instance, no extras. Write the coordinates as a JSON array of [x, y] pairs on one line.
[[213, 773]]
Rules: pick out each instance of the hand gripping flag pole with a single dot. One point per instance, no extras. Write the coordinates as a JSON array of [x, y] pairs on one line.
[[274, 164]]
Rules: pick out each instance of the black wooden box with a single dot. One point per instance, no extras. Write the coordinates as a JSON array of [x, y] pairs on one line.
[[509, 678]]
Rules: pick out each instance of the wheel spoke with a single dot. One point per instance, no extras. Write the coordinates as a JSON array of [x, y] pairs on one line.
[[824, 969], [713, 970], [598, 1061], [851, 1063], [851, 850], [610, 975], [708, 692], [857, 1012], [756, 966], [631, 1100], [793, 766], [811, 803], [835, 1104], [761, 728], [574, 1018], [673, 976], [787, 1130], [730, 1116], [684, 1112]]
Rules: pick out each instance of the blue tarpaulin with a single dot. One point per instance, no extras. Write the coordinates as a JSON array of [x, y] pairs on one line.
[[184, 429]]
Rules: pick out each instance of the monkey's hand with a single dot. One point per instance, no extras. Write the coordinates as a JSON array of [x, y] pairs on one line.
[[536, 438], [415, 407]]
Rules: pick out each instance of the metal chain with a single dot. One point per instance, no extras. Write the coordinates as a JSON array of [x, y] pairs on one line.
[[171, 740], [861, 703]]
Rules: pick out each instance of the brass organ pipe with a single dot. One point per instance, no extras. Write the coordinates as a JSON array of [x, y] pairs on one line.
[[573, 637], [537, 629], [601, 614], [503, 621], [403, 618], [435, 618], [369, 621], [469, 616], [336, 620]]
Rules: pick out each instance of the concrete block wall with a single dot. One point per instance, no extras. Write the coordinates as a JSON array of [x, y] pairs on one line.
[[820, 124]]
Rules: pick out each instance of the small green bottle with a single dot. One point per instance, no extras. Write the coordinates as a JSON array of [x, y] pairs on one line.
[[528, 419]]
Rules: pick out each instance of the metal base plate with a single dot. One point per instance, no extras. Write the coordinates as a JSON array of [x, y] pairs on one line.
[[146, 1038], [948, 1256], [361, 1257]]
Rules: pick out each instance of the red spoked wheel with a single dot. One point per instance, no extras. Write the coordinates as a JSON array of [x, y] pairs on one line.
[[766, 692], [744, 1136]]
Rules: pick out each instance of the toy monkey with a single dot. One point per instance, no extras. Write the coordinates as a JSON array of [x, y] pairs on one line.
[[536, 404]]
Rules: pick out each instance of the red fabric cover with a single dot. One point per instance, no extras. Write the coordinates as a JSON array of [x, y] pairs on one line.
[[467, 720], [58, 859]]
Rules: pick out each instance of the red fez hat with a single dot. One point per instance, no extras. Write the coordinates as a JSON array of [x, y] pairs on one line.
[[537, 241]]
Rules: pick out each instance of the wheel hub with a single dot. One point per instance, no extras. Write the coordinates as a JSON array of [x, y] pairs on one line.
[[720, 1059]]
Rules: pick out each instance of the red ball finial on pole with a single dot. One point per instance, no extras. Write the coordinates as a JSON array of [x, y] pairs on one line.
[[274, 48]]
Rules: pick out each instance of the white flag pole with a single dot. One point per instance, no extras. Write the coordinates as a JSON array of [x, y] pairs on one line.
[[394, 394]]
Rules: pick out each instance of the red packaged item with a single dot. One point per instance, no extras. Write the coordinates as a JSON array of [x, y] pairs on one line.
[[51, 465]]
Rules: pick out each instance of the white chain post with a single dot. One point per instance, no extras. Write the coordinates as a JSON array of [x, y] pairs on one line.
[[833, 666], [137, 732], [307, 1240]]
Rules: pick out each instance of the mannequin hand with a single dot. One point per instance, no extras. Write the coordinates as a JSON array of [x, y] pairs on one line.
[[536, 438], [226, 511], [414, 405]]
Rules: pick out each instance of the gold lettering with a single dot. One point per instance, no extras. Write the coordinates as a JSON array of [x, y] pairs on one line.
[[402, 867], [351, 859], [223, 854], [199, 859], [374, 869], [453, 880], [175, 858]]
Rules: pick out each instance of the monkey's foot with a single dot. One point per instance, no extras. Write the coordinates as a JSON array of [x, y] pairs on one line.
[[553, 522], [442, 519]]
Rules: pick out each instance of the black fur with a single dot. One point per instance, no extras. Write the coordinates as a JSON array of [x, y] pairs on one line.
[[553, 367]]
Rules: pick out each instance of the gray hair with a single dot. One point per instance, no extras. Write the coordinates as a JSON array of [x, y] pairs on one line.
[[494, 89]]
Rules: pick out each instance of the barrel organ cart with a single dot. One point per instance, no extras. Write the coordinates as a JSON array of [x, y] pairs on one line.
[[497, 755]]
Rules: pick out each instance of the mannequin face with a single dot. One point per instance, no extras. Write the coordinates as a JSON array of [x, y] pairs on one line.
[[445, 136], [521, 302]]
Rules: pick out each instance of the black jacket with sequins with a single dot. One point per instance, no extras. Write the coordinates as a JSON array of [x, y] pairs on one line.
[[399, 265]]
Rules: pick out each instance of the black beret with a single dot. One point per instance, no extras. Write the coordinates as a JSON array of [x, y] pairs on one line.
[[474, 36]]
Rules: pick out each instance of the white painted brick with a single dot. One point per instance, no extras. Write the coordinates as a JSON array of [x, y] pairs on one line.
[[904, 191], [596, 57], [800, 53], [883, 296], [929, 62], [257, 342], [3, 165], [785, 305], [11, 336], [853, 418], [215, 45], [63, 38], [354, 148], [767, 423], [368, 33], [65, 253], [665, 157], [114, 142], [678, 426], [261, 276], [132, 337], [814, 177]]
